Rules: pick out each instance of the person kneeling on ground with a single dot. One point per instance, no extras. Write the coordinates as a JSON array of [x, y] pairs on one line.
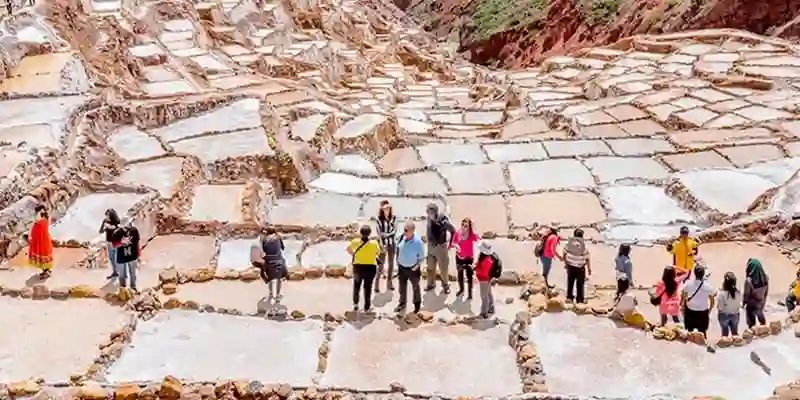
[[487, 267], [626, 305], [410, 254], [794, 293]]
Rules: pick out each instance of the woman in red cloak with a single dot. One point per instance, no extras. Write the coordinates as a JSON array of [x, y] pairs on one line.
[[40, 249]]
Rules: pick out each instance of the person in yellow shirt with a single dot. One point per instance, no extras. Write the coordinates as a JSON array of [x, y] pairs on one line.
[[684, 250], [365, 252]]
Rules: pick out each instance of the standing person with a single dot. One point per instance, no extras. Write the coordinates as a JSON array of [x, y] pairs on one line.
[[667, 296], [127, 254], [623, 264], [387, 230], [365, 252], [487, 268], [756, 290], [578, 265], [439, 227], [464, 242], [794, 293], [728, 304], [274, 269], [697, 298], [111, 223], [546, 250], [410, 253], [684, 250], [40, 246]]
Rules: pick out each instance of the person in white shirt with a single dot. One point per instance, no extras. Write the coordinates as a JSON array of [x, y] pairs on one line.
[[729, 300], [697, 298]]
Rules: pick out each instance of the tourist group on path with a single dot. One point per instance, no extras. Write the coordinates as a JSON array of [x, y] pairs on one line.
[[684, 293]]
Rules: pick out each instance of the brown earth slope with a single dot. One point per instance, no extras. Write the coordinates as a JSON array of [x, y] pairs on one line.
[[518, 33]]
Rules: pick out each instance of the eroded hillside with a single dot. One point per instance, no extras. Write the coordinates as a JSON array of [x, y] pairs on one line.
[[523, 32]]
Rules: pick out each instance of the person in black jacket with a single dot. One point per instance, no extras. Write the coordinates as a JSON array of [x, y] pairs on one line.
[[440, 240], [128, 254], [111, 223]]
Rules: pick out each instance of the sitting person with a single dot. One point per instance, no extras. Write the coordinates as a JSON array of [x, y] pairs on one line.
[[794, 293], [626, 305]]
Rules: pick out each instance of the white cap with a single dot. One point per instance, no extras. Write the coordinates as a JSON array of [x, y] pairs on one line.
[[484, 247]]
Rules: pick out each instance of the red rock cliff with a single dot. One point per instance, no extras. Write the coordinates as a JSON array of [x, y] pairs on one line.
[[565, 25]]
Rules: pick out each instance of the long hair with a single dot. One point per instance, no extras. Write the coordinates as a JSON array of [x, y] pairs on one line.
[[470, 230], [382, 214], [729, 284], [40, 209], [668, 277], [624, 250], [112, 217]]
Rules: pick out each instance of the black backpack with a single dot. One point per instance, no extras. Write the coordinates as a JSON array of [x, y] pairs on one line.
[[497, 267]]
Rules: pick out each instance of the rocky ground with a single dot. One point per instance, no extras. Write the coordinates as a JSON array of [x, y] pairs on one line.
[[523, 33], [202, 122]]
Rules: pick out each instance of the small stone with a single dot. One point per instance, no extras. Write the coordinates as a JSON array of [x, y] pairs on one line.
[[297, 314], [207, 392], [725, 341], [169, 288], [747, 335], [697, 338], [775, 327], [40, 292], [169, 275], [323, 349], [314, 273], [201, 275], [284, 391], [526, 353], [127, 392], [250, 275], [83, 292], [124, 294], [335, 272], [425, 316], [92, 392], [761, 330], [172, 303], [322, 364], [397, 387], [61, 293], [171, 388], [555, 305], [24, 388]]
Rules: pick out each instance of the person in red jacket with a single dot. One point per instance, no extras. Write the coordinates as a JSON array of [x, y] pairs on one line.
[[487, 267]]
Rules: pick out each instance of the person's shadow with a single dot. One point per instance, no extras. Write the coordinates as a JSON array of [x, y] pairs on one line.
[[462, 307], [433, 301], [381, 299]]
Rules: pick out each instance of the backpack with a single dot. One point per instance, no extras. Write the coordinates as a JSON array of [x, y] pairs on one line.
[[575, 246], [497, 267], [538, 251]]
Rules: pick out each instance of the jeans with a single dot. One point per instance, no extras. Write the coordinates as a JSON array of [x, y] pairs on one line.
[[127, 270], [576, 280], [363, 276], [464, 267], [729, 324], [547, 264], [675, 319], [112, 259], [791, 302], [438, 254], [386, 263], [404, 275], [487, 299], [752, 313]]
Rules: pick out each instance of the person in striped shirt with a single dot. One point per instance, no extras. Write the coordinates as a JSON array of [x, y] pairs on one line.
[[387, 231], [578, 264]]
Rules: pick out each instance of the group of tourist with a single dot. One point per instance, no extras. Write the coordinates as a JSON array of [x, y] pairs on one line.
[[122, 246], [386, 252], [684, 292]]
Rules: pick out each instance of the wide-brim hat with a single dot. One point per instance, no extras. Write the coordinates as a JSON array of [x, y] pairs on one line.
[[485, 248]]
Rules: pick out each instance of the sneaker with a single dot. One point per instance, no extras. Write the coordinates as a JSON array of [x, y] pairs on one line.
[[460, 293], [416, 309], [400, 308], [446, 290], [469, 296], [355, 307], [429, 288], [112, 276]]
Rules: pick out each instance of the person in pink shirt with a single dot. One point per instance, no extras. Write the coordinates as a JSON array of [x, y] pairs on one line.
[[546, 250], [464, 242], [667, 296]]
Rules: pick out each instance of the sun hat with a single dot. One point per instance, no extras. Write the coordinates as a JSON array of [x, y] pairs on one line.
[[485, 247]]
